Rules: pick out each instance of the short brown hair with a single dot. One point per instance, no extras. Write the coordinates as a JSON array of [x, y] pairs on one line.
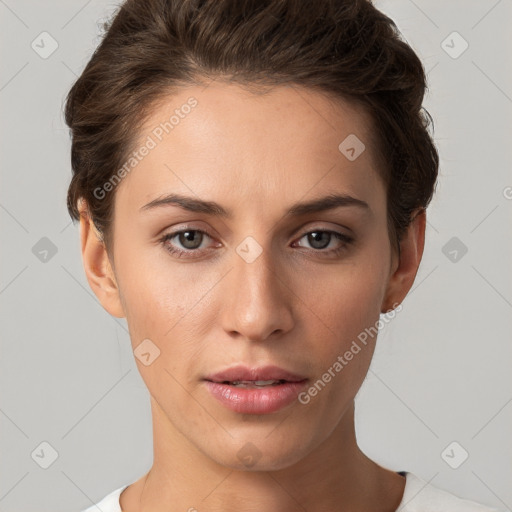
[[347, 48]]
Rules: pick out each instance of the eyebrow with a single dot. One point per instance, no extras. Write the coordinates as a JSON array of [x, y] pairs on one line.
[[328, 202]]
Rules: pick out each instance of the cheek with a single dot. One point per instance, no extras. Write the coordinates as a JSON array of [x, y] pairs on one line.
[[168, 304], [155, 292], [345, 299], [346, 308], [342, 342], [161, 319]]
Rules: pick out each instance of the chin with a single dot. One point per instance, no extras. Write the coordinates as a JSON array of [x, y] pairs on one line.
[[258, 453]]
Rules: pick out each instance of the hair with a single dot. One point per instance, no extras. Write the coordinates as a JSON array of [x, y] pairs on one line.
[[345, 48]]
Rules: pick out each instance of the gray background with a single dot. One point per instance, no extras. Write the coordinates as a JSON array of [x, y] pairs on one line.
[[441, 372]]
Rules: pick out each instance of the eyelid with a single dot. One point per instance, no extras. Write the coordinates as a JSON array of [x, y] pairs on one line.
[[336, 229], [177, 231], [348, 225], [342, 237]]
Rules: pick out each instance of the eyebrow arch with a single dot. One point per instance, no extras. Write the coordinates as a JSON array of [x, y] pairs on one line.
[[328, 202]]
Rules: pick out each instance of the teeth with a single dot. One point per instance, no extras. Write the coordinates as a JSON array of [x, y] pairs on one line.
[[255, 383]]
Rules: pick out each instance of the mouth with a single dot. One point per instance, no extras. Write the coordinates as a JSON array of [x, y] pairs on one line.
[[252, 383], [263, 376], [255, 391]]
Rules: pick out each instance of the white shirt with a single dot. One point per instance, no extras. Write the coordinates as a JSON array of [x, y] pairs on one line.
[[419, 496]]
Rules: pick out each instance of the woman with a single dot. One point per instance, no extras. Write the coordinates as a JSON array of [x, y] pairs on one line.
[[251, 180]]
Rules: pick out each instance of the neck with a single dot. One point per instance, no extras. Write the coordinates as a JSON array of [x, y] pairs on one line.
[[336, 475]]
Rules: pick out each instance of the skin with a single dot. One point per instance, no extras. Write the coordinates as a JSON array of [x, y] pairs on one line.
[[294, 306]]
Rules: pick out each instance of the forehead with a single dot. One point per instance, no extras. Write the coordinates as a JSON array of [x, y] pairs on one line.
[[278, 146]]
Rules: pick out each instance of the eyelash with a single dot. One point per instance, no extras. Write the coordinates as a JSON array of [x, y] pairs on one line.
[[347, 240]]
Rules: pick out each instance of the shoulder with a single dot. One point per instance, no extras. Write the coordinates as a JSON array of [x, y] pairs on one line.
[[420, 496], [109, 503]]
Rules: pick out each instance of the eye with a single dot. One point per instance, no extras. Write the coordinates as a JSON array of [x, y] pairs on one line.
[[320, 239], [189, 239]]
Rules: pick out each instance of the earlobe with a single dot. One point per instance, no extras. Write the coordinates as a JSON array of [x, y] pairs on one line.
[[411, 252], [98, 269]]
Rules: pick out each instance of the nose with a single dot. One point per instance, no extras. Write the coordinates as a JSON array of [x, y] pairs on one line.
[[259, 295]]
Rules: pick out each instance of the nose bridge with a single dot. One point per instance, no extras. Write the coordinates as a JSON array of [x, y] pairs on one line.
[[254, 268], [259, 302]]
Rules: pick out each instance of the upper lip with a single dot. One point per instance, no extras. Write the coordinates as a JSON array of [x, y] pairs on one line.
[[238, 373]]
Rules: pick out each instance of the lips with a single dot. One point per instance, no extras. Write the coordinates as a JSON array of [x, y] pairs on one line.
[[263, 376], [255, 390]]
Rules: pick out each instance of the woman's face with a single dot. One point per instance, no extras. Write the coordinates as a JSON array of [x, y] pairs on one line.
[[257, 286]]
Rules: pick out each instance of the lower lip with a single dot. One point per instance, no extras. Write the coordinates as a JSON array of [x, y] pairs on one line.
[[255, 400]]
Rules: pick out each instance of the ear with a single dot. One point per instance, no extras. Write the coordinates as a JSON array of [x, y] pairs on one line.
[[98, 268], [406, 265]]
